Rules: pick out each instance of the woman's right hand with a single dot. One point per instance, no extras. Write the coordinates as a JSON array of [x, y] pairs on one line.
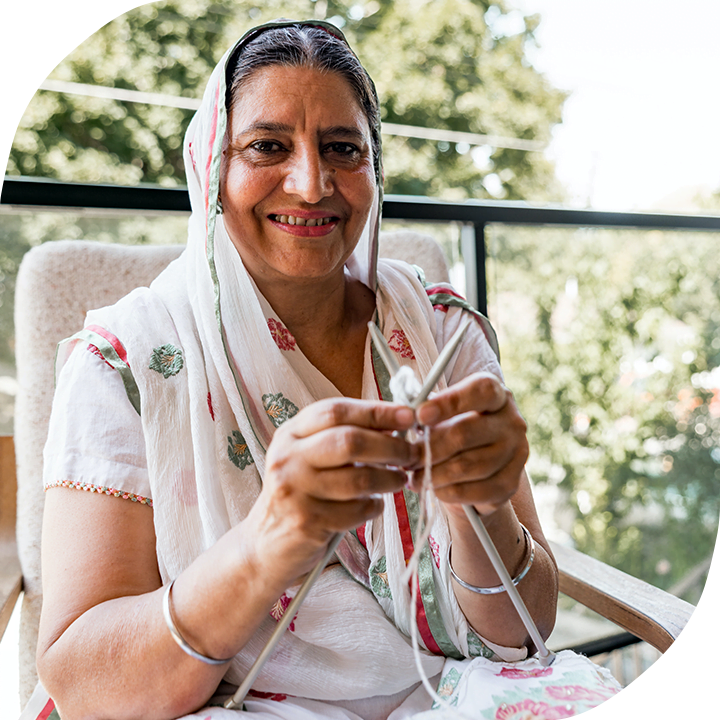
[[324, 471]]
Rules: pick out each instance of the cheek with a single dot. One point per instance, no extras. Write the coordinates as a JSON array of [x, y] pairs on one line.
[[242, 188], [362, 192]]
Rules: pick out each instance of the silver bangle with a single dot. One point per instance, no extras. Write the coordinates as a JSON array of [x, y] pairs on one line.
[[497, 588], [179, 639]]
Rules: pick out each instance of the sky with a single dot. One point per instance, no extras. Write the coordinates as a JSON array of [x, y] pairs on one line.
[[641, 128]]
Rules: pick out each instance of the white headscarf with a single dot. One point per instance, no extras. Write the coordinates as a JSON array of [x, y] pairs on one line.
[[216, 371]]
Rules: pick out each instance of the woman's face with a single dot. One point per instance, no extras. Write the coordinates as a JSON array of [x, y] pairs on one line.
[[297, 178]]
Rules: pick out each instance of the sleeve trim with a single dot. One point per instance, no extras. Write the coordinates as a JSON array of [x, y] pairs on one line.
[[113, 352], [104, 490]]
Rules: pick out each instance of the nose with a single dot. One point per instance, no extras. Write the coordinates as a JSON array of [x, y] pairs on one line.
[[308, 175]]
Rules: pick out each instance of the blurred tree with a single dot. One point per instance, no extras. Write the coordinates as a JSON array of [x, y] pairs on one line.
[[610, 342], [451, 64]]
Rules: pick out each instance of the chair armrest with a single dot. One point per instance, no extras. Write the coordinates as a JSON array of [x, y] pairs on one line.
[[10, 585], [660, 619], [647, 612], [10, 572]]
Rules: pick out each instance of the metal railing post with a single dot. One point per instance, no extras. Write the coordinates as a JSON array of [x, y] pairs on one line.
[[472, 240]]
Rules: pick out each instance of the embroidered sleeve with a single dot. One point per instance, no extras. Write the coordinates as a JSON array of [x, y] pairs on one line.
[[95, 439]]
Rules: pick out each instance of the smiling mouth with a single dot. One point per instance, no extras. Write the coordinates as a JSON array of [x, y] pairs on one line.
[[307, 222]]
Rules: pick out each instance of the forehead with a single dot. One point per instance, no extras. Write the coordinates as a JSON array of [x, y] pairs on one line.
[[297, 97]]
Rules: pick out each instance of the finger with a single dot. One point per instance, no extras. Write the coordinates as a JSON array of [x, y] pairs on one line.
[[355, 482], [477, 464], [489, 493], [481, 392], [475, 430], [463, 432], [347, 444], [377, 415], [322, 516]]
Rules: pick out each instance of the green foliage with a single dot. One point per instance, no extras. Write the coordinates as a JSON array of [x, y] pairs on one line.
[[609, 341], [436, 64]]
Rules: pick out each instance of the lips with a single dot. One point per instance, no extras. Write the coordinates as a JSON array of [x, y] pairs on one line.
[[312, 225]]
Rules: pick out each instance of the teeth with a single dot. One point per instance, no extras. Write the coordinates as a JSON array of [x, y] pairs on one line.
[[309, 222]]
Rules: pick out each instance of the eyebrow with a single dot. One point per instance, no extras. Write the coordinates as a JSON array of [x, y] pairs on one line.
[[268, 126], [335, 130]]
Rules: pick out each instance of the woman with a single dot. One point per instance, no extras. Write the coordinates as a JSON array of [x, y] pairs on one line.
[[238, 403]]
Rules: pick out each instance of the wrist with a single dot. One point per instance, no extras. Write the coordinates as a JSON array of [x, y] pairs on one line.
[[470, 561], [491, 517]]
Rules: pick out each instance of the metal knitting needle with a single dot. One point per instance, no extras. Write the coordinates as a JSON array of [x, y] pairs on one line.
[[386, 354], [436, 370], [236, 701], [440, 364], [546, 656]]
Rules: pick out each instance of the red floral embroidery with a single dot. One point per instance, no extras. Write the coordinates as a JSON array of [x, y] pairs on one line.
[[441, 308], [279, 608], [578, 693], [279, 697], [192, 154], [210, 407], [518, 674], [281, 335], [435, 550], [528, 709], [401, 345]]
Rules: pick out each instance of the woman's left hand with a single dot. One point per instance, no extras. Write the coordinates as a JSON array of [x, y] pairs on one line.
[[478, 443]]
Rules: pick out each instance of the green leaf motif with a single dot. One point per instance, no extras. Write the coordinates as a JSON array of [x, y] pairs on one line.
[[477, 648], [238, 450], [379, 579], [278, 408], [447, 686], [166, 360]]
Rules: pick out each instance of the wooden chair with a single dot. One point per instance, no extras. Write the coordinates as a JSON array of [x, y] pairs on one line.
[[57, 284]]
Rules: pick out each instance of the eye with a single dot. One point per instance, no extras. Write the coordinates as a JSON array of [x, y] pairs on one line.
[[266, 147], [343, 149]]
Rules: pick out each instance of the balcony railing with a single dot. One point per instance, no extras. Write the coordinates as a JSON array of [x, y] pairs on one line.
[[474, 215]]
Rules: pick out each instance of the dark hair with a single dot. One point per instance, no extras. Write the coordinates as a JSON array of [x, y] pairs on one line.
[[312, 47]]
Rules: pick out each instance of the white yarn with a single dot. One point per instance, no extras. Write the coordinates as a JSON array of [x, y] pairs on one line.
[[426, 518], [404, 385]]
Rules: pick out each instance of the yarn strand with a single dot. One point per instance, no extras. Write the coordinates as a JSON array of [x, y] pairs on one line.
[[426, 519]]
